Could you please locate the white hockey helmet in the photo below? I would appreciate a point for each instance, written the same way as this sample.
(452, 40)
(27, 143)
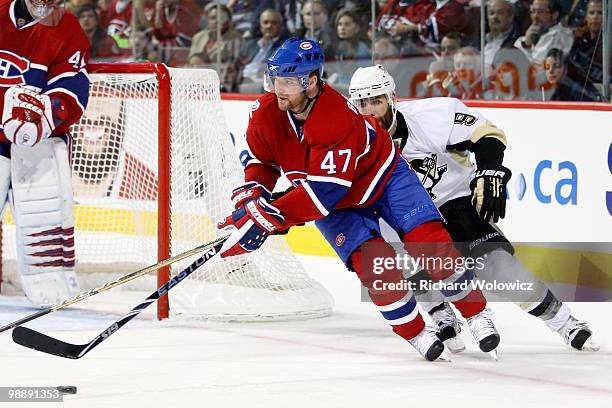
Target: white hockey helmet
(373, 81)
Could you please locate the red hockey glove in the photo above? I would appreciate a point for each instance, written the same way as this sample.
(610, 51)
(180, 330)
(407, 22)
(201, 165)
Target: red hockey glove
(489, 192)
(251, 225)
(27, 117)
(250, 190)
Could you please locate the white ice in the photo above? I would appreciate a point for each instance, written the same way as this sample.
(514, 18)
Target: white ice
(350, 359)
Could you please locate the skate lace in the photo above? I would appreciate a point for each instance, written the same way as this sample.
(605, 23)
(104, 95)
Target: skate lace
(571, 328)
(446, 317)
(481, 325)
(424, 340)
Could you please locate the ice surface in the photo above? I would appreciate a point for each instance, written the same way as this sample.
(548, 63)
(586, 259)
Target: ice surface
(350, 359)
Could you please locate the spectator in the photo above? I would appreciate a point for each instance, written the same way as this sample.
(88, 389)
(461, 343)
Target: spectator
(504, 63)
(254, 52)
(586, 57)
(443, 66)
(102, 45)
(206, 47)
(565, 88)
(315, 18)
(245, 13)
(172, 22)
(465, 82)
(403, 20)
(290, 9)
(348, 52)
(349, 39)
(448, 16)
(119, 17)
(545, 32)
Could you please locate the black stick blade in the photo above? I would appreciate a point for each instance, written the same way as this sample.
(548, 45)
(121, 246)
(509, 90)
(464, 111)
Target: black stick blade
(41, 342)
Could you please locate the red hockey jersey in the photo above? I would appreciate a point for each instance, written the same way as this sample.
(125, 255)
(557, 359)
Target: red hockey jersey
(336, 158)
(52, 59)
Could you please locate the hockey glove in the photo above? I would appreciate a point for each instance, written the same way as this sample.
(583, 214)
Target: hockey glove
(489, 192)
(250, 226)
(27, 117)
(250, 190)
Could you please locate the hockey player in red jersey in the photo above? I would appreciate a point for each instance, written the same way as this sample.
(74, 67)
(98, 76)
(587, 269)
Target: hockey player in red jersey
(347, 173)
(437, 135)
(43, 90)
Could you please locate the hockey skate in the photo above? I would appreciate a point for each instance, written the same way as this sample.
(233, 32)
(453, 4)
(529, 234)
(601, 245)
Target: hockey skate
(578, 335)
(484, 332)
(428, 344)
(449, 327)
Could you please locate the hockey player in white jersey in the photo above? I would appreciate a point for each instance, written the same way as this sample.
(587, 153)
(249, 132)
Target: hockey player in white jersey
(436, 136)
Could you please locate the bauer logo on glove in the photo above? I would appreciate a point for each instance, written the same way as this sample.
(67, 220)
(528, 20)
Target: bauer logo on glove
(251, 225)
(489, 192)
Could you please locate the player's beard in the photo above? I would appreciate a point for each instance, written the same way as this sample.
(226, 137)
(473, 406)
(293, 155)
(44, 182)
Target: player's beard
(387, 120)
(294, 103)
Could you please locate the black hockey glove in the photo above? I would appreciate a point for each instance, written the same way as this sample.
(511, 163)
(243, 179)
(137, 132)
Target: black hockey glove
(489, 192)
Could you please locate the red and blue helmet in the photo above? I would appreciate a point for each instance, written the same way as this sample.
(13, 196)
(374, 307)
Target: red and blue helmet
(295, 58)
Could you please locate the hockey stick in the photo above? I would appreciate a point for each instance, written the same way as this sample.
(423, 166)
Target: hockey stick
(46, 344)
(119, 281)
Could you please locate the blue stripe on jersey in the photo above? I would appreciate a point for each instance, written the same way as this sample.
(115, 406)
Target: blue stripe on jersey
(78, 85)
(401, 311)
(468, 276)
(35, 77)
(329, 194)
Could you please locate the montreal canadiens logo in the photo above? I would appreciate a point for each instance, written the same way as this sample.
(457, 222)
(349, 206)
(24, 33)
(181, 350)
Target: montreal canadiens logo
(12, 68)
(340, 239)
(305, 45)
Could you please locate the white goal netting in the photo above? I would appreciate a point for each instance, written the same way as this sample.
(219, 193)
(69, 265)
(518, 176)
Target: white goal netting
(116, 179)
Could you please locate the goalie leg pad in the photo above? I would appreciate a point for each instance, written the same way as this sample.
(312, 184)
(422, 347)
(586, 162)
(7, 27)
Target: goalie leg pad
(42, 205)
(5, 180)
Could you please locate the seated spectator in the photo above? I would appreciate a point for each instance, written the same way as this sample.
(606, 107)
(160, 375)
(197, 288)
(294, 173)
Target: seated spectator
(119, 20)
(172, 22)
(254, 52)
(545, 32)
(102, 45)
(444, 65)
(349, 41)
(315, 18)
(505, 64)
(348, 51)
(448, 16)
(206, 47)
(565, 88)
(585, 60)
(465, 82)
(245, 13)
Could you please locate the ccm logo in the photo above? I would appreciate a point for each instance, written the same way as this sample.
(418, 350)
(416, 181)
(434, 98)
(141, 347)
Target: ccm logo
(12, 67)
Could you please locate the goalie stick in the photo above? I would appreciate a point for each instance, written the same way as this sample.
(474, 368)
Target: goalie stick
(46, 344)
(119, 281)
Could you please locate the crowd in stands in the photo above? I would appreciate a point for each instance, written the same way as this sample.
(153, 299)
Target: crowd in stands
(533, 49)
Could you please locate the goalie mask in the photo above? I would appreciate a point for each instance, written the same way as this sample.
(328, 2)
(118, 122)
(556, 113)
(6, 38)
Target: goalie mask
(365, 89)
(46, 12)
(289, 67)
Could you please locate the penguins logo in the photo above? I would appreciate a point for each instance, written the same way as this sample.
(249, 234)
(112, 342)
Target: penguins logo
(431, 172)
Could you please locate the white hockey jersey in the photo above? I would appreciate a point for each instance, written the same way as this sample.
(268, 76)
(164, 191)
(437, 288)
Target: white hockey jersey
(439, 129)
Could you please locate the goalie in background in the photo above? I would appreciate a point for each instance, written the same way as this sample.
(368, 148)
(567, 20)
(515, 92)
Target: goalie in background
(437, 135)
(44, 89)
(347, 174)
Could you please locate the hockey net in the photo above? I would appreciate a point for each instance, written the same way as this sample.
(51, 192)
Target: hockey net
(153, 167)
